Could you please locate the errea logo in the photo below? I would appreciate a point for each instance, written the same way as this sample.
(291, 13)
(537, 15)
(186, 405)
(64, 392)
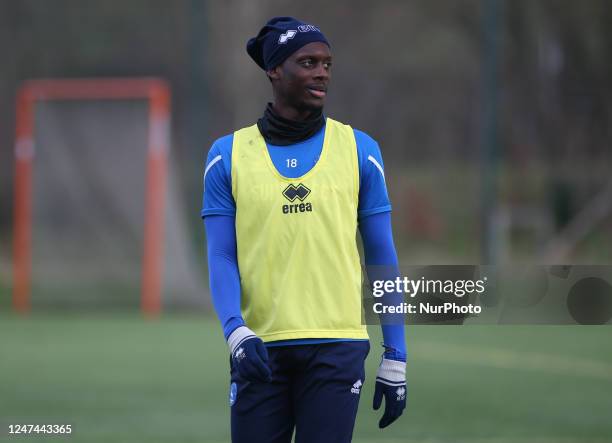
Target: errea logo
(240, 354)
(292, 192)
(356, 389)
(299, 192)
(282, 39)
(401, 393)
(308, 28)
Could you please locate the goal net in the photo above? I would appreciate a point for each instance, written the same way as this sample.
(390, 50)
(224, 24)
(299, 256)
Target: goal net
(99, 220)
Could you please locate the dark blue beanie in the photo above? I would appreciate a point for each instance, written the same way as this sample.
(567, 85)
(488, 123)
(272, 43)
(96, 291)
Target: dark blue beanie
(280, 38)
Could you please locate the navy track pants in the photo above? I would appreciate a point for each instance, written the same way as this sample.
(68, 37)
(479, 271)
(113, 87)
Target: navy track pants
(315, 391)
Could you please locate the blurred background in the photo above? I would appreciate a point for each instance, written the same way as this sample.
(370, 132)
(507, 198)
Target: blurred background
(495, 122)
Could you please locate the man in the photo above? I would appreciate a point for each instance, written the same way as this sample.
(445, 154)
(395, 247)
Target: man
(282, 202)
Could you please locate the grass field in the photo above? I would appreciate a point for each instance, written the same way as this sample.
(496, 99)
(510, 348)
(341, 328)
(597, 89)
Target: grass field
(118, 378)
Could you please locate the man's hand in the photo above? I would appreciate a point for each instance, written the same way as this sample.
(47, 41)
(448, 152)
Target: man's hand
(249, 355)
(390, 383)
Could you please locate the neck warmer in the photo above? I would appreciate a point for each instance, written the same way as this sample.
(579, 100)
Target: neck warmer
(280, 131)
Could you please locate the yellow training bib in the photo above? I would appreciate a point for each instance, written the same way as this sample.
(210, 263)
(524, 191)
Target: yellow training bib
(299, 266)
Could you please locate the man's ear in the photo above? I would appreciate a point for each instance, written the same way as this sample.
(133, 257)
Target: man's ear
(274, 73)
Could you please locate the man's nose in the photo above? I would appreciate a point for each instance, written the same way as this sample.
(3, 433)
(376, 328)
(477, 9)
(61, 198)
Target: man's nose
(321, 72)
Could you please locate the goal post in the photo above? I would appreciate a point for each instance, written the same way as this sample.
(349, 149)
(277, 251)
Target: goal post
(156, 93)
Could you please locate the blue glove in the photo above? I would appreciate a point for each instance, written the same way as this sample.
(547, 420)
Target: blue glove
(390, 383)
(249, 355)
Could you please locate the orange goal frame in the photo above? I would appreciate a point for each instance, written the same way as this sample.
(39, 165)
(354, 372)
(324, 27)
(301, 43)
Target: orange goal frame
(157, 93)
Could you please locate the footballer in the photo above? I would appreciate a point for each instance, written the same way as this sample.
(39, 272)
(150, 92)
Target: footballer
(283, 200)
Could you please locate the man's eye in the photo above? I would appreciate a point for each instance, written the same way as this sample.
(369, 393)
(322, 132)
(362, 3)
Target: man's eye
(307, 63)
(327, 65)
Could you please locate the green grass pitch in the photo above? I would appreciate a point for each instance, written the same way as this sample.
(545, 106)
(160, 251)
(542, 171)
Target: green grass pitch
(119, 378)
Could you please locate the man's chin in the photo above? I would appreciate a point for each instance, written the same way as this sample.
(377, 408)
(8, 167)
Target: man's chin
(314, 104)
